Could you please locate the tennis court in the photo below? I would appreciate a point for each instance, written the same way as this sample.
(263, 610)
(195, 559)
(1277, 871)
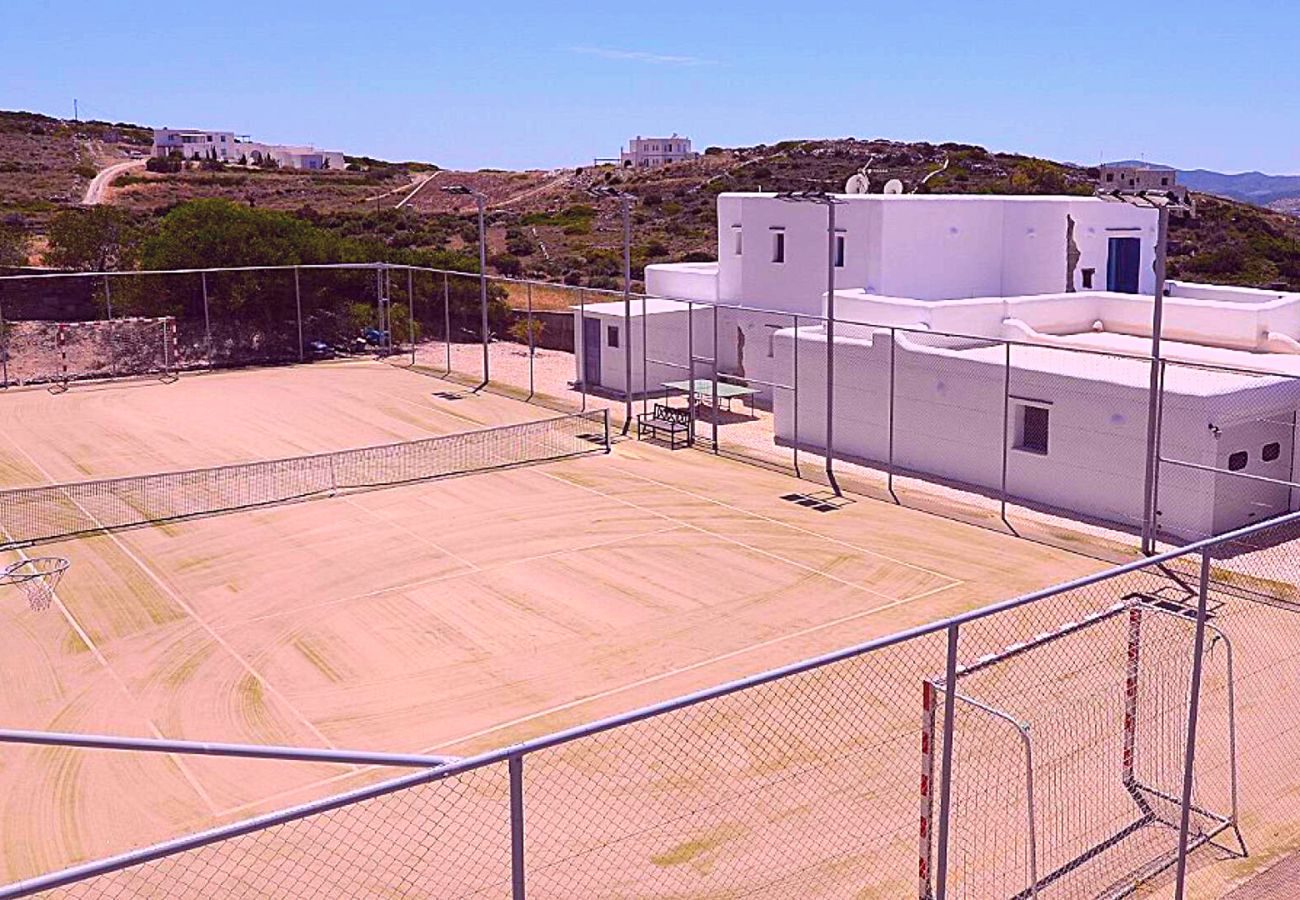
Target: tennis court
(443, 616)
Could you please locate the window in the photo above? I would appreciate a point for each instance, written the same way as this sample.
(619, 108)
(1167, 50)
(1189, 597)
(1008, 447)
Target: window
(1271, 452)
(611, 335)
(1110, 176)
(1031, 428)
(839, 251)
(778, 246)
(1088, 275)
(736, 243)
(1238, 460)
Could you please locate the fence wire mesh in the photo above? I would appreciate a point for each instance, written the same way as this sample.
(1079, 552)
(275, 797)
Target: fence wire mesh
(59, 510)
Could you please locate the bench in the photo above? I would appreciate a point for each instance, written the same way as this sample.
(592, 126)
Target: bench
(667, 420)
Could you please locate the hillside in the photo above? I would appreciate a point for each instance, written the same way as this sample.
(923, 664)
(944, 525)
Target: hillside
(547, 224)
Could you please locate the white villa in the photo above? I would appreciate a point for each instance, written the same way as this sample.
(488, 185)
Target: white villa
(927, 288)
(648, 152)
(226, 146)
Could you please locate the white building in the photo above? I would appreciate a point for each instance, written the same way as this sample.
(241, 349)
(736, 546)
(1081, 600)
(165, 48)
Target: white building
(1053, 274)
(649, 152)
(227, 147)
(1140, 178)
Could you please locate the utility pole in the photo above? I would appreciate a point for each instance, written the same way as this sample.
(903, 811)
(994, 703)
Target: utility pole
(480, 200)
(75, 114)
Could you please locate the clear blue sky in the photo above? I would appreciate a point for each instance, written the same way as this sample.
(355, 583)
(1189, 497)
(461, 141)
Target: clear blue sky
(537, 84)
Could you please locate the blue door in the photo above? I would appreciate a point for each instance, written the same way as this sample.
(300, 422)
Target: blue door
(1122, 265)
(591, 352)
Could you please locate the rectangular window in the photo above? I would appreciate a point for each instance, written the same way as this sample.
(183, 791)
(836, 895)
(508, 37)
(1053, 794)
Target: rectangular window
(737, 244)
(1031, 428)
(1088, 275)
(778, 246)
(611, 335)
(839, 251)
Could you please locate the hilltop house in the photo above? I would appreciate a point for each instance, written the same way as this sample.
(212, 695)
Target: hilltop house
(928, 287)
(650, 152)
(227, 147)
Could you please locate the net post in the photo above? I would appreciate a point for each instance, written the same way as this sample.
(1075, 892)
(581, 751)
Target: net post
(61, 337)
(945, 774)
(517, 870)
(297, 299)
(1193, 710)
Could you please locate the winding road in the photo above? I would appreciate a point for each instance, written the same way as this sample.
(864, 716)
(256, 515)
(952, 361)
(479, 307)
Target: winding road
(97, 190)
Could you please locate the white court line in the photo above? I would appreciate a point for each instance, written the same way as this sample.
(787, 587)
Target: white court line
(452, 576)
(117, 679)
(792, 527)
(441, 410)
(180, 601)
(612, 692)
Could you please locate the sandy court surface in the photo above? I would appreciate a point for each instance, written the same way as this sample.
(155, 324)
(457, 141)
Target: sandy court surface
(451, 616)
(137, 427)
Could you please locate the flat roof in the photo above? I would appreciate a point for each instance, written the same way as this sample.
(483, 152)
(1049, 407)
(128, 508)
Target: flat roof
(931, 198)
(654, 306)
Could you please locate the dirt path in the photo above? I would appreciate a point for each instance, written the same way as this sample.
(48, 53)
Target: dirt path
(98, 191)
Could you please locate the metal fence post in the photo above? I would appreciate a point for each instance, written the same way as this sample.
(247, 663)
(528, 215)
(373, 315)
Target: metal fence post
(410, 314)
(4, 347)
(1006, 428)
(690, 372)
(207, 320)
(645, 353)
(446, 318)
(1193, 709)
(945, 771)
(889, 463)
(297, 299)
(794, 382)
(714, 401)
(581, 340)
(1155, 463)
(830, 348)
(532, 343)
(112, 331)
(517, 870)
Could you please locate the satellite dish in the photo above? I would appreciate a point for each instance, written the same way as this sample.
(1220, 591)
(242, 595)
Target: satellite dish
(858, 183)
(894, 186)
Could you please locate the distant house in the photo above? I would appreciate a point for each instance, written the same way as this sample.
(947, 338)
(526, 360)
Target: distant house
(227, 147)
(651, 152)
(1140, 178)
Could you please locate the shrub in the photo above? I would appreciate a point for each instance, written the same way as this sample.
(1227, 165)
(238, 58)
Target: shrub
(506, 264)
(519, 331)
(85, 171)
(163, 164)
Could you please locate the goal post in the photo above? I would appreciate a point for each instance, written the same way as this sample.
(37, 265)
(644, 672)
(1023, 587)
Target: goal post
(1067, 756)
(111, 348)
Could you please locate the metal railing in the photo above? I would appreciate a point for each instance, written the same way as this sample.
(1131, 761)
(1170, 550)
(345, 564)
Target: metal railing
(1069, 741)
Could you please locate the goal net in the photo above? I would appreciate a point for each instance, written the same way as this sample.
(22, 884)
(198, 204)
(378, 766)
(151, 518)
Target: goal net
(39, 352)
(1068, 752)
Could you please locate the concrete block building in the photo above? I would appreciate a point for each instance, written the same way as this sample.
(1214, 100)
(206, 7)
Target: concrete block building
(650, 152)
(929, 291)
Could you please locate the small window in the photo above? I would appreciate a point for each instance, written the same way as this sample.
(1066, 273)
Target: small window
(611, 335)
(1164, 181)
(839, 251)
(1088, 275)
(1271, 452)
(1238, 460)
(737, 244)
(1032, 425)
(1110, 176)
(778, 246)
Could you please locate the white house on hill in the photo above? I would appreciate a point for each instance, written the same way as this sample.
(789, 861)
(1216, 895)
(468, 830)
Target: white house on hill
(956, 276)
(225, 146)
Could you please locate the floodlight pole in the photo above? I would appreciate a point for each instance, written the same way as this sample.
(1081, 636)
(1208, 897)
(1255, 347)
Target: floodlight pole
(625, 200)
(481, 200)
(1153, 391)
(830, 343)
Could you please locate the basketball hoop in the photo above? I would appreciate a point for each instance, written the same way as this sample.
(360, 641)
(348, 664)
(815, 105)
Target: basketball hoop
(38, 578)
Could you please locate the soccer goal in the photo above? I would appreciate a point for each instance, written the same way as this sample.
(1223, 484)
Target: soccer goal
(1068, 752)
(112, 348)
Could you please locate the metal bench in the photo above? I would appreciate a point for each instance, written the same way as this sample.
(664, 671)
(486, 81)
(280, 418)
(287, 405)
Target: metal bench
(667, 420)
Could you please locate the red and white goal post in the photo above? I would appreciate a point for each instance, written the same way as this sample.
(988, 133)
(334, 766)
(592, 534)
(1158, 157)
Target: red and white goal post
(116, 348)
(1067, 757)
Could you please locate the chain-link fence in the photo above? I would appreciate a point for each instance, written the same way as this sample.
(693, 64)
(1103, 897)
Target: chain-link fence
(1130, 730)
(1053, 439)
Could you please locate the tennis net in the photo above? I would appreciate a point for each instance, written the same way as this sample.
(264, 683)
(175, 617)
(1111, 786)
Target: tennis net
(54, 511)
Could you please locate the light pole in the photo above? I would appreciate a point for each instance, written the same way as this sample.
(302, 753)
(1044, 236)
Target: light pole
(481, 200)
(625, 201)
(830, 201)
